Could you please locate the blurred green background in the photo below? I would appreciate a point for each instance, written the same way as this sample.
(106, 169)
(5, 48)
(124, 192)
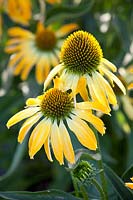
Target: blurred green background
(111, 22)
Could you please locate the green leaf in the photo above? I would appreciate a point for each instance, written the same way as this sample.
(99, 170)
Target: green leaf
(128, 174)
(43, 195)
(16, 160)
(68, 12)
(122, 191)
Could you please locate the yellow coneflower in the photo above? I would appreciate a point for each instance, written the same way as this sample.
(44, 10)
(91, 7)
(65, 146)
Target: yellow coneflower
(19, 11)
(40, 49)
(82, 61)
(129, 185)
(55, 112)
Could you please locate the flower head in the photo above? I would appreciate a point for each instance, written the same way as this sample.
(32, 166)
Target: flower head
(82, 62)
(129, 185)
(19, 11)
(84, 172)
(54, 113)
(40, 49)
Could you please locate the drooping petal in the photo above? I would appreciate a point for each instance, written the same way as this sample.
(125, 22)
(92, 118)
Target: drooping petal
(56, 143)
(109, 65)
(98, 91)
(109, 92)
(39, 136)
(29, 65)
(67, 145)
(92, 105)
(28, 112)
(42, 69)
(51, 75)
(27, 126)
(81, 88)
(47, 149)
(66, 29)
(97, 123)
(116, 80)
(82, 131)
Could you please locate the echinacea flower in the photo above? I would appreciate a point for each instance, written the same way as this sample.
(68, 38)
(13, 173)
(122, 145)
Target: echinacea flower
(40, 49)
(53, 113)
(129, 185)
(19, 11)
(82, 60)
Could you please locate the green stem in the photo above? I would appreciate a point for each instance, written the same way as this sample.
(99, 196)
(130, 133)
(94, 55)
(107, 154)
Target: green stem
(102, 175)
(99, 188)
(75, 185)
(84, 193)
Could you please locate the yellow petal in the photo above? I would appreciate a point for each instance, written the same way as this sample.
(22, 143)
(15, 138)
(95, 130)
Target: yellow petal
(1, 23)
(39, 136)
(84, 134)
(67, 145)
(29, 66)
(66, 29)
(129, 185)
(51, 75)
(33, 102)
(47, 149)
(42, 69)
(98, 91)
(56, 143)
(27, 126)
(14, 59)
(109, 65)
(19, 11)
(131, 179)
(97, 123)
(13, 49)
(116, 80)
(19, 32)
(14, 41)
(81, 88)
(92, 105)
(20, 66)
(130, 86)
(28, 112)
(53, 59)
(108, 90)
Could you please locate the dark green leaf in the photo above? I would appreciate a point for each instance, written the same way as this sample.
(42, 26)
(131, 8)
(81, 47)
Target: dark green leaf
(68, 12)
(43, 195)
(122, 191)
(16, 160)
(128, 174)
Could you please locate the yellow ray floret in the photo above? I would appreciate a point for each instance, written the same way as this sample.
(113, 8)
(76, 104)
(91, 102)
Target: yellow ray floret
(84, 70)
(40, 49)
(49, 113)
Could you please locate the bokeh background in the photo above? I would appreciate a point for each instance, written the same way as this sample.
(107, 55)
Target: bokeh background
(111, 22)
